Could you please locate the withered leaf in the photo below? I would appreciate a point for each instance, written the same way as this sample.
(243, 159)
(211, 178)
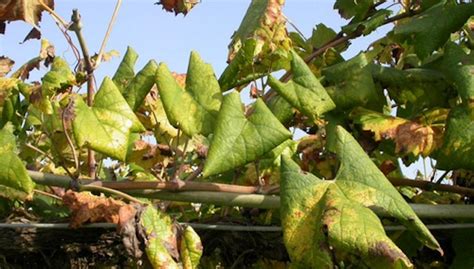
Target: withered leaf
(87, 207)
(178, 6)
(5, 65)
(24, 10)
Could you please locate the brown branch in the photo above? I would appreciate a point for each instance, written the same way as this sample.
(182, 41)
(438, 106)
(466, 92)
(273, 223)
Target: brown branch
(427, 185)
(76, 26)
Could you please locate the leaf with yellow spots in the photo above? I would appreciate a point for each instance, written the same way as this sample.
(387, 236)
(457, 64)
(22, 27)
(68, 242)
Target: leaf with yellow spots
(335, 215)
(260, 45)
(409, 136)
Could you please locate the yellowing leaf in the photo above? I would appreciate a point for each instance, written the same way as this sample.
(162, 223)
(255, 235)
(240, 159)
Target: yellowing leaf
(409, 136)
(5, 65)
(259, 46)
(107, 125)
(190, 248)
(178, 6)
(334, 217)
(25, 10)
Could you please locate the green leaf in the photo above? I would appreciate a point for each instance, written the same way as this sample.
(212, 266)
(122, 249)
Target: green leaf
(107, 125)
(429, 30)
(259, 46)
(190, 248)
(125, 72)
(15, 183)
(369, 25)
(357, 9)
(457, 66)
(195, 108)
(141, 85)
(58, 78)
(161, 238)
(457, 150)
(282, 110)
(351, 84)
(238, 140)
(335, 216)
(304, 91)
(414, 89)
(321, 35)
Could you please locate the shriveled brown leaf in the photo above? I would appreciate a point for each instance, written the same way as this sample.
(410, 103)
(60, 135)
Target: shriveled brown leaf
(87, 207)
(178, 6)
(24, 10)
(46, 55)
(5, 65)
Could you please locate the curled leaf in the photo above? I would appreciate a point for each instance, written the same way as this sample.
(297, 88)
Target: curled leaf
(178, 6)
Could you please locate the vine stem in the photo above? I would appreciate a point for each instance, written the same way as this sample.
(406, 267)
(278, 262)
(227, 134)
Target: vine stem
(248, 199)
(76, 26)
(107, 34)
(216, 227)
(93, 187)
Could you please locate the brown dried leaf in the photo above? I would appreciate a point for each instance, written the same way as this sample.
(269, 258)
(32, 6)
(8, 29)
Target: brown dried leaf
(5, 65)
(178, 6)
(145, 154)
(24, 10)
(87, 207)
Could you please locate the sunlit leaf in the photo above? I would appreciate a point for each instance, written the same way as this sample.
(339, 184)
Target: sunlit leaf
(193, 109)
(190, 248)
(140, 85)
(106, 126)
(15, 183)
(161, 238)
(335, 217)
(432, 28)
(58, 78)
(304, 91)
(260, 45)
(125, 72)
(238, 139)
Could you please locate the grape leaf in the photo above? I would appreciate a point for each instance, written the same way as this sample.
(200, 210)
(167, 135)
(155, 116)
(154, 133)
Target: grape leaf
(5, 65)
(304, 91)
(351, 84)
(161, 244)
(335, 216)
(238, 140)
(409, 136)
(15, 183)
(354, 9)
(190, 248)
(457, 150)
(414, 89)
(195, 108)
(106, 126)
(431, 29)
(125, 72)
(58, 78)
(24, 10)
(178, 6)
(260, 45)
(140, 85)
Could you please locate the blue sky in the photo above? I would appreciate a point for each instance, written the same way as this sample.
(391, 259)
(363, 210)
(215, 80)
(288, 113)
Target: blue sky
(159, 35)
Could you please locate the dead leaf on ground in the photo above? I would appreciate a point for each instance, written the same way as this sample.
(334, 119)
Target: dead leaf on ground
(89, 208)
